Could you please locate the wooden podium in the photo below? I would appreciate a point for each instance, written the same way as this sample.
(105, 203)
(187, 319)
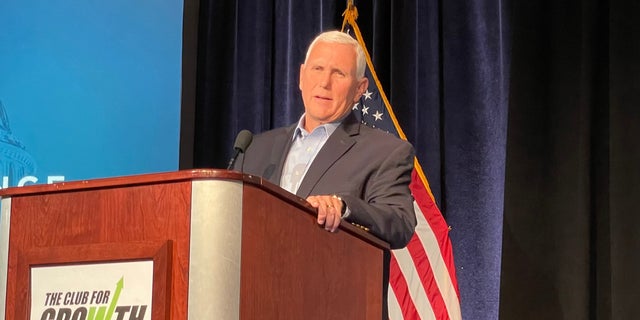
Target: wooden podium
(224, 246)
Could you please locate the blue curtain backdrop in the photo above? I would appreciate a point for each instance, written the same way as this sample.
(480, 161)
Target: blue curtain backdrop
(521, 114)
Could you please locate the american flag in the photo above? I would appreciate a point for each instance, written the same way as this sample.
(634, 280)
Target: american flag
(422, 279)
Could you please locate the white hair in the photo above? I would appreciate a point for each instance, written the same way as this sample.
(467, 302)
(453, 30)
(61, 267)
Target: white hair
(342, 38)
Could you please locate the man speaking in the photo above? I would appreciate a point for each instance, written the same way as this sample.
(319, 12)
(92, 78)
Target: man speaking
(343, 168)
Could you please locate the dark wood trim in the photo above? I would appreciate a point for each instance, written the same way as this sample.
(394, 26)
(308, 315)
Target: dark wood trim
(122, 181)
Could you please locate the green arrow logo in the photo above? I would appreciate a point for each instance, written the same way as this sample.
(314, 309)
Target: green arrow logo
(114, 302)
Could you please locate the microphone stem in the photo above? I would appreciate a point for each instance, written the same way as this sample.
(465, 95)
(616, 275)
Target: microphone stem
(233, 159)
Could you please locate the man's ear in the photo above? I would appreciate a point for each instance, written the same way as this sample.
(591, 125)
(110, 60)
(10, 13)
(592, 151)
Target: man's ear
(363, 84)
(300, 76)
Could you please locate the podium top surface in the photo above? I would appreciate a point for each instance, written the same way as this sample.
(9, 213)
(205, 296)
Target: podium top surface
(141, 179)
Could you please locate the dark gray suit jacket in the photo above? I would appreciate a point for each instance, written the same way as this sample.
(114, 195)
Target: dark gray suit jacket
(368, 168)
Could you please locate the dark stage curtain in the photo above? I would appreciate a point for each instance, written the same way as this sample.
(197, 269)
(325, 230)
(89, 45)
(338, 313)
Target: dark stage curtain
(522, 108)
(572, 183)
(444, 68)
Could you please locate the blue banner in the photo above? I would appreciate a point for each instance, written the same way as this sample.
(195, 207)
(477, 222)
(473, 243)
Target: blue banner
(88, 89)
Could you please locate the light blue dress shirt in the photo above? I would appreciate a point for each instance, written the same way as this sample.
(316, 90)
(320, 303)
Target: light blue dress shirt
(304, 149)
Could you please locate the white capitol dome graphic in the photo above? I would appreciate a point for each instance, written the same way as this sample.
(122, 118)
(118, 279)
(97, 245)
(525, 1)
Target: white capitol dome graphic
(15, 161)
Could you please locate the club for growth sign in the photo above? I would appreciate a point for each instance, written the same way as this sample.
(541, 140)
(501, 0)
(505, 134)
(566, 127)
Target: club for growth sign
(105, 291)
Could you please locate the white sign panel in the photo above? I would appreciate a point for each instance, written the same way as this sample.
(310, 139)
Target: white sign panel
(105, 291)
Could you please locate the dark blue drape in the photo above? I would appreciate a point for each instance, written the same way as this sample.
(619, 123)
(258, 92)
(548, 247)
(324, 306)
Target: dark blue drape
(445, 69)
(526, 110)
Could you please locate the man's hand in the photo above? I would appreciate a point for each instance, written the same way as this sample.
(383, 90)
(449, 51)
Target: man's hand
(329, 210)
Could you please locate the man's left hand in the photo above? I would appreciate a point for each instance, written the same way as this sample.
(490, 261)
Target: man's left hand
(329, 210)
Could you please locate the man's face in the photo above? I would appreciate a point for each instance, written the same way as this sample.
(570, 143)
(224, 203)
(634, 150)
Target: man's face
(328, 83)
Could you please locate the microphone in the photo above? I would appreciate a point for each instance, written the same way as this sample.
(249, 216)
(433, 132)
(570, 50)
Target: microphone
(243, 140)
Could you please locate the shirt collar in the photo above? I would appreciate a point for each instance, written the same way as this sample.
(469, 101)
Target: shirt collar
(328, 128)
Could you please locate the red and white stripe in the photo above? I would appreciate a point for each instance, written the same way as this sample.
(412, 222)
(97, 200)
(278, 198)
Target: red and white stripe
(422, 281)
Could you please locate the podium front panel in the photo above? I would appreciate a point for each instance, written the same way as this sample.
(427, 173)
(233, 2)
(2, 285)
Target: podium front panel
(123, 214)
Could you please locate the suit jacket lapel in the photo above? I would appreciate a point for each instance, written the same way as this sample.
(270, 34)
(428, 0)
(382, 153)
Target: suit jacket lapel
(281, 147)
(335, 148)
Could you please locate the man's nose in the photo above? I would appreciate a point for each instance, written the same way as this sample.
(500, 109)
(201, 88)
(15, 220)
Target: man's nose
(325, 80)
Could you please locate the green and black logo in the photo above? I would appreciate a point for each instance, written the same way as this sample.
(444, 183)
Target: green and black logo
(90, 305)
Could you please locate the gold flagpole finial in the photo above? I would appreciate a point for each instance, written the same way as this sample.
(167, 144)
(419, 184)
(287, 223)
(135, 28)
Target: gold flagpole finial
(350, 14)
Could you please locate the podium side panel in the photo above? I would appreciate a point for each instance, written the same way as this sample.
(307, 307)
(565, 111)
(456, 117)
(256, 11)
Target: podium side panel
(294, 269)
(5, 217)
(214, 264)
